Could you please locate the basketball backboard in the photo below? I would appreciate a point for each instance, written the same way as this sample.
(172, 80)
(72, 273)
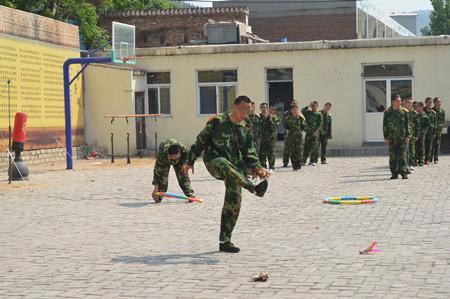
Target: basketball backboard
(123, 43)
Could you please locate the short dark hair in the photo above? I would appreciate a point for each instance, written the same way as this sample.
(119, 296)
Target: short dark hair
(420, 104)
(173, 150)
(328, 104)
(428, 99)
(436, 99)
(242, 99)
(395, 96)
(263, 104)
(415, 103)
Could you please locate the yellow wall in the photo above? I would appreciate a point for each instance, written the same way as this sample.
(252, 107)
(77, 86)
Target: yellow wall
(108, 90)
(36, 73)
(324, 75)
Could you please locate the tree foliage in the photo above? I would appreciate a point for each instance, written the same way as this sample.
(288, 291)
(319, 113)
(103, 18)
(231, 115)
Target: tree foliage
(84, 12)
(439, 19)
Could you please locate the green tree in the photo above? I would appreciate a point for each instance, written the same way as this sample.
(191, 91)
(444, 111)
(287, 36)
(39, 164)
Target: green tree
(439, 19)
(84, 12)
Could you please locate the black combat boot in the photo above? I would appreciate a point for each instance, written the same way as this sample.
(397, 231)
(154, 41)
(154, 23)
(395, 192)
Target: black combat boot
(228, 247)
(261, 188)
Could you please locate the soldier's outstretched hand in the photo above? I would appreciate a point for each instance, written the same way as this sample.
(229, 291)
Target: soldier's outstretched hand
(156, 198)
(262, 173)
(185, 169)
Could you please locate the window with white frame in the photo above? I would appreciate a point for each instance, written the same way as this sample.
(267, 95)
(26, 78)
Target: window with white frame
(383, 81)
(158, 84)
(216, 91)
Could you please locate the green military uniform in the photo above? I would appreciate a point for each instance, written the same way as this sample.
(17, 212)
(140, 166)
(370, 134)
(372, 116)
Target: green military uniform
(396, 129)
(414, 123)
(162, 167)
(440, 123)
(255, 122)
(268, 128)
(229, 152)
(295, 125)
(286, 148)
(429, 138)
(423, 126)
(313, 128)
(325, 134)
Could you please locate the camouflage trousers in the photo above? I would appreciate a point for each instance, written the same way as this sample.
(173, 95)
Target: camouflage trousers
(311, 148)
(234, 179)
(183, 180)
(429, 146)
(420, 149)
(295, 150)
(437, 146)
(323, 148)
(397, 157)
(267, 153)
(412, 152)
(286, 150)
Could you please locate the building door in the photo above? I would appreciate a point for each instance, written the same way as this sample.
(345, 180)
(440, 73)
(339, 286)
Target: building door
(280, 92)
(378, 94)
(382, 82)
(139, 102)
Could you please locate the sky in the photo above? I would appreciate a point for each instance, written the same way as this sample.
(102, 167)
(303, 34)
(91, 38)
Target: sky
(388, 5)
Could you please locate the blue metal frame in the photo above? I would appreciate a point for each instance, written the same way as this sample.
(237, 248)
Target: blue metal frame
(85, 61)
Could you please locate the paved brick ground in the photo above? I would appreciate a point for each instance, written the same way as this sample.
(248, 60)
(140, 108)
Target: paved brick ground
(94, 233)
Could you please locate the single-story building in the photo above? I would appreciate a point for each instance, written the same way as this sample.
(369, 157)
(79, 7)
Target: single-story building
(187, 85)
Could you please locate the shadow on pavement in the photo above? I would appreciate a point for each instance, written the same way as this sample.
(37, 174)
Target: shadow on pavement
(365, 181)
(135, 204)
(170, 259)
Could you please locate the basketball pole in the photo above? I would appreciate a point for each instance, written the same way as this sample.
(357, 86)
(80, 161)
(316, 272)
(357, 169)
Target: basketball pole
(85, 61)
(9, 130)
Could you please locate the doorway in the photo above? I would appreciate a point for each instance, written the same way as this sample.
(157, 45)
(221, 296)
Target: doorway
(141, 141)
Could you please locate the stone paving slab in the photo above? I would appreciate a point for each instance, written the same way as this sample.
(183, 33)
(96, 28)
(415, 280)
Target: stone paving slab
(95, 233)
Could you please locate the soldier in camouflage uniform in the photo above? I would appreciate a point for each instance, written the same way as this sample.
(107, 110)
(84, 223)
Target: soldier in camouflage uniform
(254, 121)
(286, 149)
(396, 132)
(313, 128)
(269, 125)
(229, 153)
(423, 125)
(171, 153)
(414, 122)
(431, 134)
(294, 125)
(325, 133)
(440, 123)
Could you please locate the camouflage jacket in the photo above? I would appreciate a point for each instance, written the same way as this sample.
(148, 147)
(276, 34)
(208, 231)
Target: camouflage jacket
(440, 119)
(396, 124)
(414, 123)
(221, 138)
(255, 122)
(423, 124)
(432, 116)
(269, 127)
(313, 120)
(286, 116)
(295, 125)
(326, 124)
(162, 161)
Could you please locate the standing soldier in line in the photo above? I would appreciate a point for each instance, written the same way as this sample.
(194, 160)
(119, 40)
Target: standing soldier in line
(229, 153)
(325, 133)
(171, 153)
(286, 149)
(407, 105)
(313, 127)
(422, 129)
(254, 121)
(295, 124)
(431, 134)
(269, 125)
(396, 132)
(440, 123)
(414, 122)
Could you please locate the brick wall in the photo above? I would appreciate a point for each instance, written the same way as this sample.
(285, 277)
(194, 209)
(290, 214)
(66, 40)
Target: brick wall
(172, 27)
(305, 27)
(27, 25)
